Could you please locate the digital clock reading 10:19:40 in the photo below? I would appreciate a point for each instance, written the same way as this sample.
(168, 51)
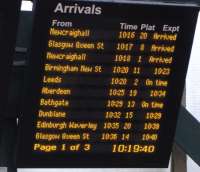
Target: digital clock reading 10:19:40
(122, 148)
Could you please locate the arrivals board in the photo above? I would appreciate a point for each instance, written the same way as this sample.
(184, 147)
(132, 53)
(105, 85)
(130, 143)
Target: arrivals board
(9, 11)
(104, 84)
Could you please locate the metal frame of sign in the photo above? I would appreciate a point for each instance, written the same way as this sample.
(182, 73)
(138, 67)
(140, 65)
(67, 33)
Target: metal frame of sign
(182, 15)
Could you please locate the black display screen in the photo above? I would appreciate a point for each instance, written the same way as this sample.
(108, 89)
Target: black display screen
(9, 11)
(104, 84)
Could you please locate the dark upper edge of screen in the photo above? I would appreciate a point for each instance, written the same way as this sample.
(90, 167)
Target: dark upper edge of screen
(139, 2)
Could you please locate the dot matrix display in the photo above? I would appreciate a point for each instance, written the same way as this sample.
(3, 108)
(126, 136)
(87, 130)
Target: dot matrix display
(104, 84)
